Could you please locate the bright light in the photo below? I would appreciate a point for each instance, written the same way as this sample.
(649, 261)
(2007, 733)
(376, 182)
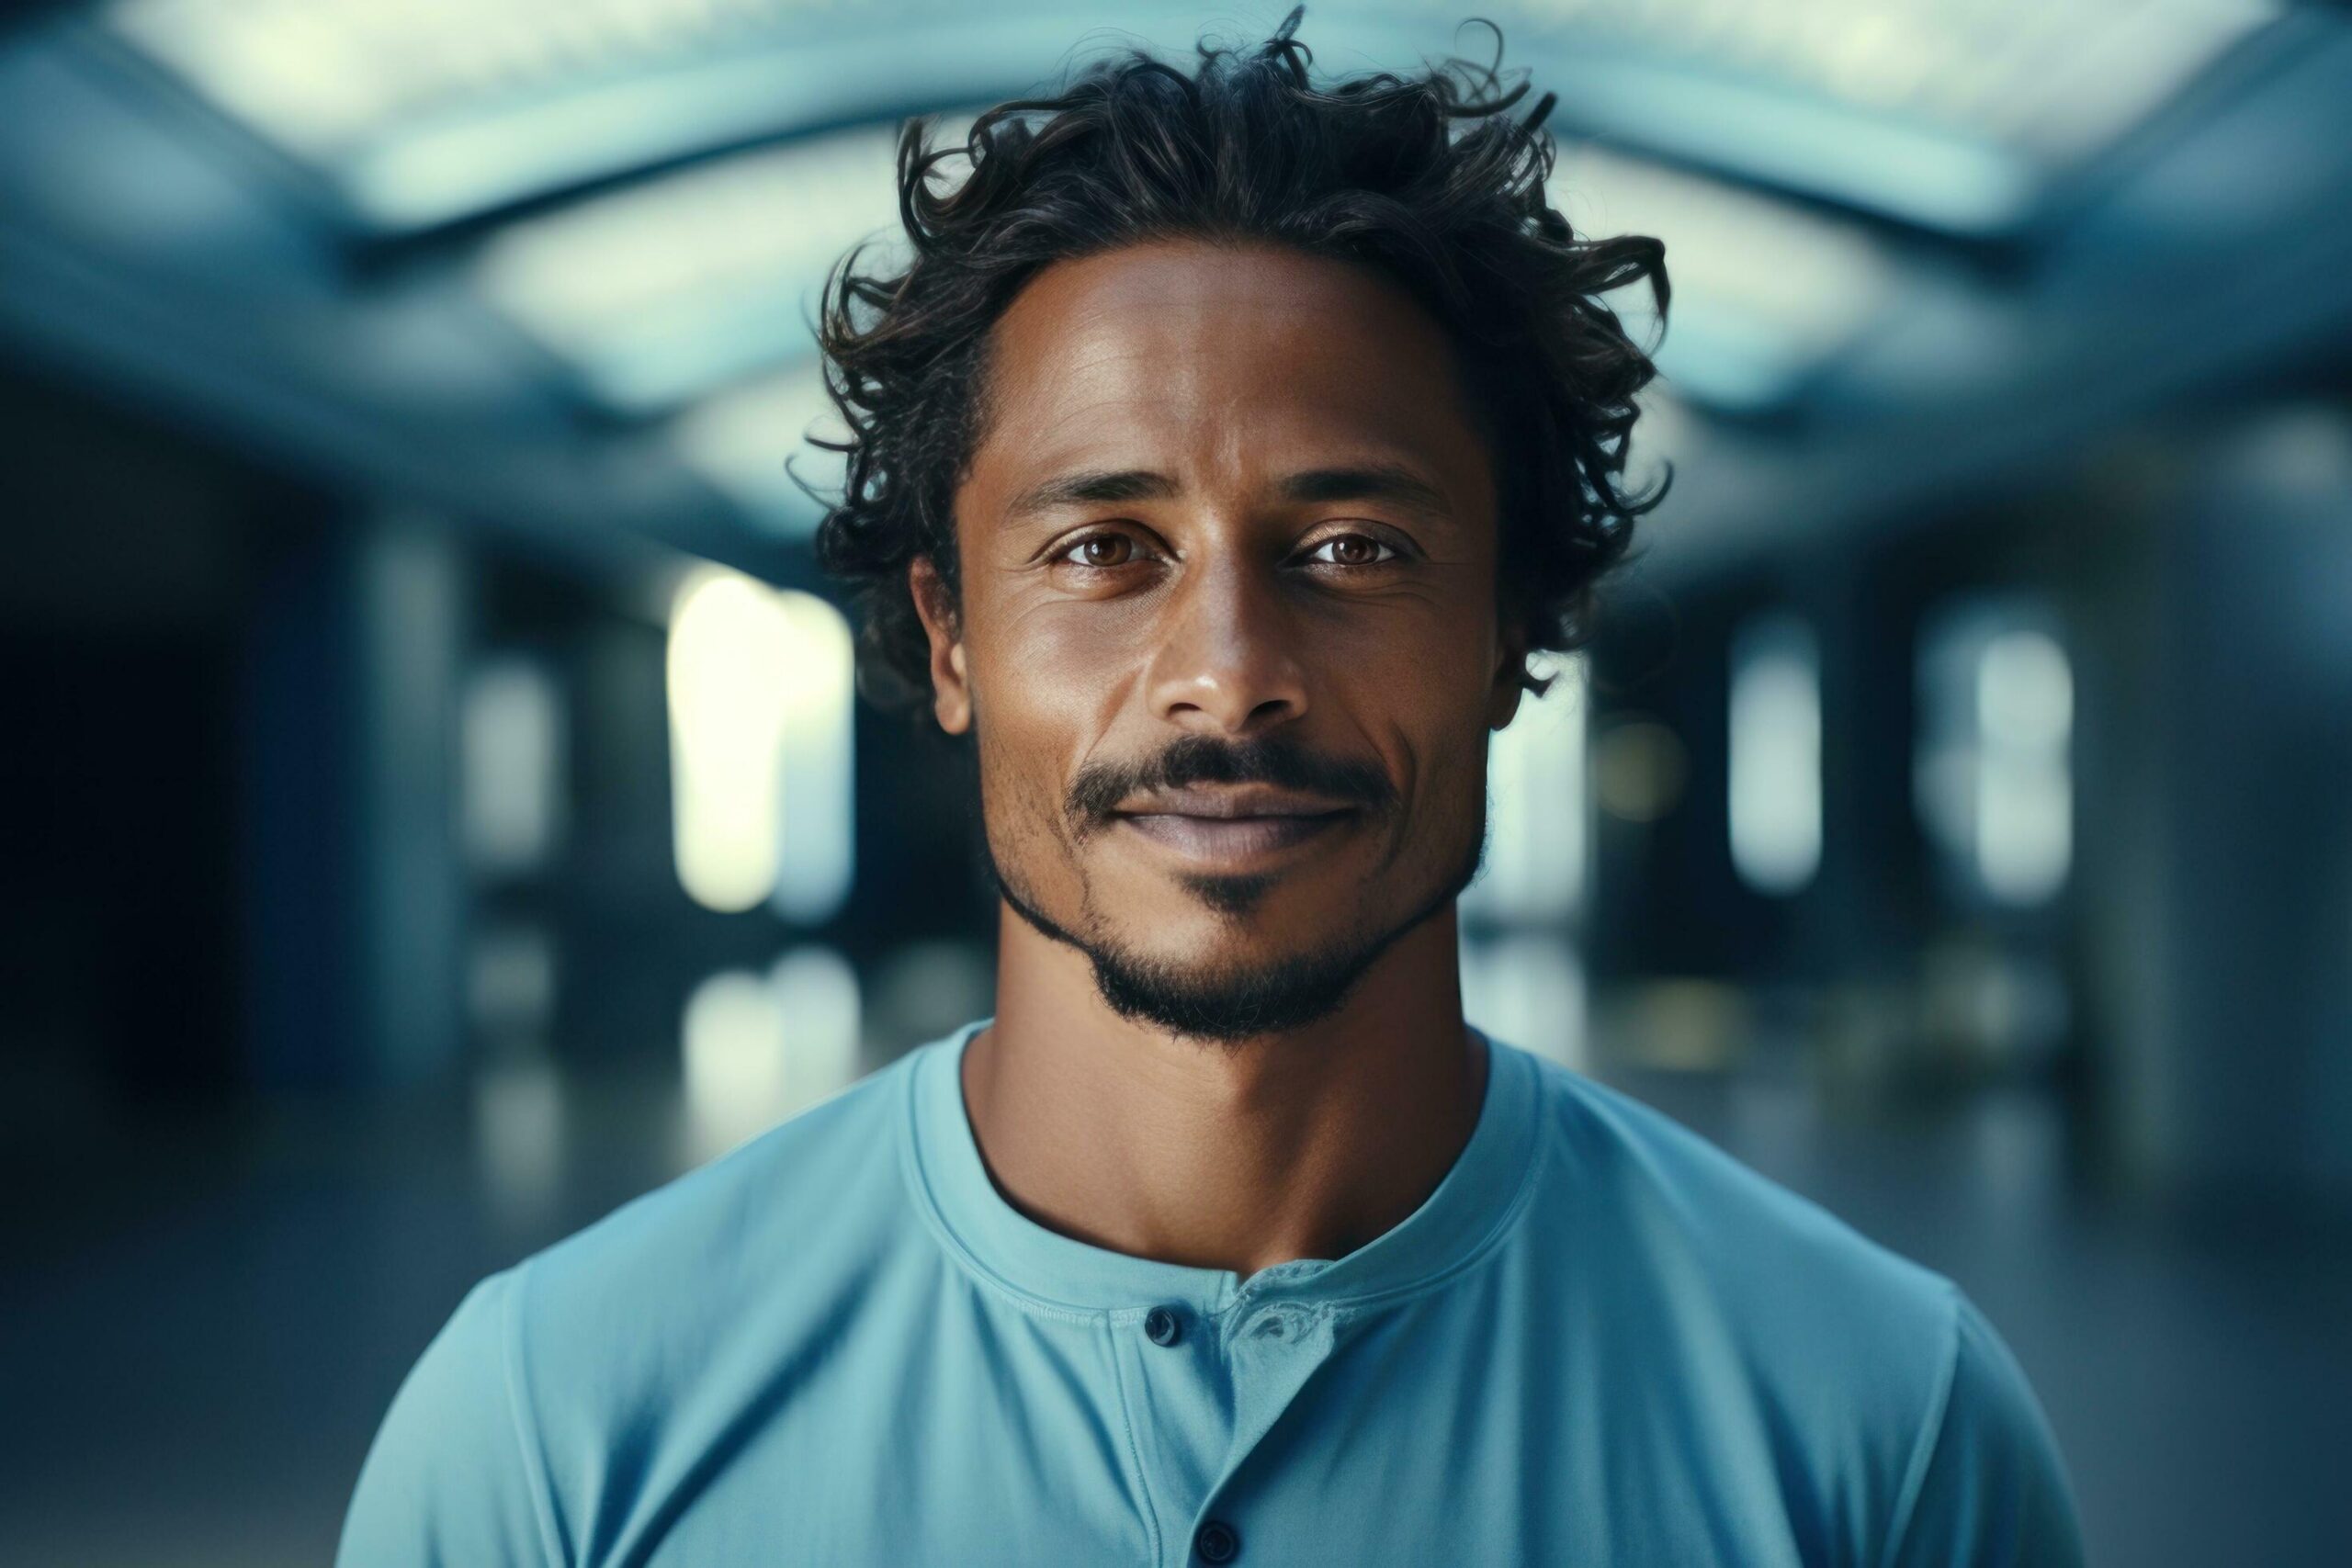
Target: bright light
(1993, 775)
(759, 1049)
(428, 110)
(818, 837)
(512, 762)
(2025, 715)
(817, 991)
(1775, 800)
(324, 75)
(2054, 78)
(729, 649)
(760, 690)
(673, 285)
(425, 111)
(1535, 784)
(2054, 75)
(734, 1043)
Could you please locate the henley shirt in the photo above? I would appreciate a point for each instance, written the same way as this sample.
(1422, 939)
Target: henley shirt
(1599, 1341)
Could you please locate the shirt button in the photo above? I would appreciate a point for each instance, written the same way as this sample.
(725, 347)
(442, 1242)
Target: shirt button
(1164, 1328)
(1217, 1543)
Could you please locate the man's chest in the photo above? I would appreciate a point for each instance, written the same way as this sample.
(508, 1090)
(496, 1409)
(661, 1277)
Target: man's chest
(1286, 1435)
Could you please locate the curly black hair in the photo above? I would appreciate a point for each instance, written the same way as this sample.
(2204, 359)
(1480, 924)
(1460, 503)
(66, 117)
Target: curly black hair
(1429, 179)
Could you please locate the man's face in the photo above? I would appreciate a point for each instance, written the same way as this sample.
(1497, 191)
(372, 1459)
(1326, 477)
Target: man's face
(1230, 534)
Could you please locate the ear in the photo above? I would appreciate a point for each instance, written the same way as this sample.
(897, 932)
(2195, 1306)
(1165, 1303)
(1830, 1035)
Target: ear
(951, 693)
(1504, 691)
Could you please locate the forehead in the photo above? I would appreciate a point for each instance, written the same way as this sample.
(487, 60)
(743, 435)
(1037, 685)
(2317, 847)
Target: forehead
(1226, 361)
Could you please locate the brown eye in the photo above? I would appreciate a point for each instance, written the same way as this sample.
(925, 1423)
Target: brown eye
(1355, 549)
(1101, 550)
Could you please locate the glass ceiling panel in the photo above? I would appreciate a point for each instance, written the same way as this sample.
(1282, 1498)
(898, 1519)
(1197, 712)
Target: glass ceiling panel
(739, 441)
(421, 111)
(2051, 79)
(1763, 291)
(322, 76)
(665, 291)
(665, 288)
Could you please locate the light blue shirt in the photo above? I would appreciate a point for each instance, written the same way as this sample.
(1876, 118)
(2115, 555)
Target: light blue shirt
(1599, 1341)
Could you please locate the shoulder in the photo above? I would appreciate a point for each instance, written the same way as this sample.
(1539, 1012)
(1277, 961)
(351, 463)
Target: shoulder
(1668, 1196)
(797, 1199)
(1863, 1365)
(452, 1475)
(1986, 1483)
(544, 1367)
(768, 1238)
(1775, 1316)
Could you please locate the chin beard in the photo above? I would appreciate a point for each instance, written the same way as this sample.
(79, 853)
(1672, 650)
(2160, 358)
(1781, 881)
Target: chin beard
(1229, 1007)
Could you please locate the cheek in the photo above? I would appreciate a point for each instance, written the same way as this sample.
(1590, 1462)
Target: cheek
(1427, 673)
(1058, 671)
(1044, 685)
(1021, 810)
(1424, 703)
(1428, 725)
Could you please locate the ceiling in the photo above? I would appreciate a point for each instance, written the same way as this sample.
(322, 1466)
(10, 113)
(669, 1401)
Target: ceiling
(548, 266)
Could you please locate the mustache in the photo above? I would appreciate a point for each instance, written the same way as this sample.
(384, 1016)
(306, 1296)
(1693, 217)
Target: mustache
(1202, 759)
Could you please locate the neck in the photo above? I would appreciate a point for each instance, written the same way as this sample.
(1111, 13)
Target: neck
(1302, 1145)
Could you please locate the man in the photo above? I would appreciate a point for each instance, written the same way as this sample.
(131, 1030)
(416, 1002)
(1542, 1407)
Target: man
(1218, 463)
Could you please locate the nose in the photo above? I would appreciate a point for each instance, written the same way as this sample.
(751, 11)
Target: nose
(1224, 662)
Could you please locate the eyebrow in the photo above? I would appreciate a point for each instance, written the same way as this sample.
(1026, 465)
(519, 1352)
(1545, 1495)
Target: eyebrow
(1091, 487)
(1366, 481)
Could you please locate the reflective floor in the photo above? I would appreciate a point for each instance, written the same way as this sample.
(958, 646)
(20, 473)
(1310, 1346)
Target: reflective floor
(201, 1318)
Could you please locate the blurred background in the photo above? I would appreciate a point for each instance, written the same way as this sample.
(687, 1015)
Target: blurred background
(436, 809)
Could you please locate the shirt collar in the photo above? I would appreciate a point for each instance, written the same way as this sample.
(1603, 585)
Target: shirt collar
(1458, 1223)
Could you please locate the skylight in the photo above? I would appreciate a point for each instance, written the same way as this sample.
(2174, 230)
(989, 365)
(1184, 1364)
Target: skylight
(667, 289)
(1763, 291)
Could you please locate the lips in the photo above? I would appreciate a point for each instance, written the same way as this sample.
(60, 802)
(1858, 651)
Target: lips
(1234, 835)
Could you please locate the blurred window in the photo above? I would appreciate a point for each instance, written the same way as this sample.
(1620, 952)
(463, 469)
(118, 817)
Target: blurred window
(757, 1048)
(1775, 746)
(513, 763)
(1535, 785)
(1521, 979)
(1765, 291)
(679, 283)
(1992, 773)
(761, 683)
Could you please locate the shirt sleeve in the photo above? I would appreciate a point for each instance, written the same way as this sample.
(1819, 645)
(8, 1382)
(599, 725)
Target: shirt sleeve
(1989, 1489)
(448, 1483)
